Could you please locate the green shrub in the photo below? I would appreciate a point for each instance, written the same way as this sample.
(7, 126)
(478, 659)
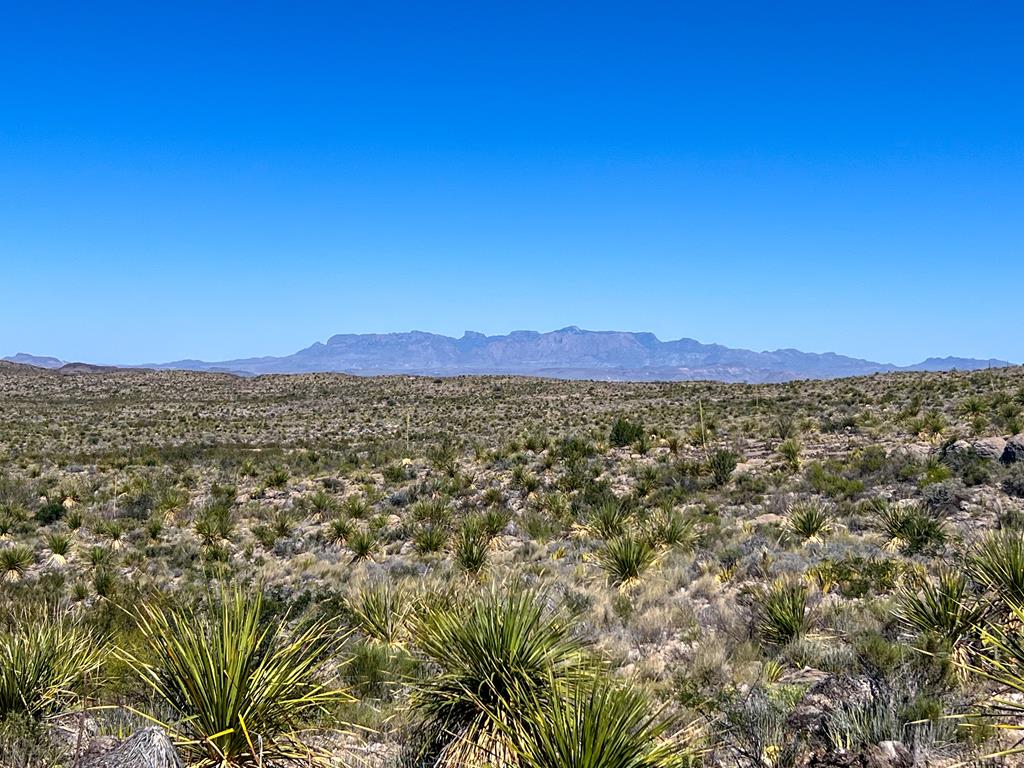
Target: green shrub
(625, 432)
(911, 530)
(997, 563)
(722, 463)
(602, 725)
(944, 607)
(809, 521)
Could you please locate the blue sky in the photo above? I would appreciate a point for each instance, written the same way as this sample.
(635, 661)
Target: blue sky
(222, 180)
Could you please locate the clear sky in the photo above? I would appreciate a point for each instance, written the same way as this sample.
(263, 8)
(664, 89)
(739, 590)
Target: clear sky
(223, 180)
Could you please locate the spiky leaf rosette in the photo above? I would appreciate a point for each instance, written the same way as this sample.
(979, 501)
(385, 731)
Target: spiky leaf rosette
(233, 680)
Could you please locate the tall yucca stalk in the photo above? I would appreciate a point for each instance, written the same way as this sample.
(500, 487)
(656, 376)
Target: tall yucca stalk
(44, 658)
(495, 659)
(602, 724)
(241, 689)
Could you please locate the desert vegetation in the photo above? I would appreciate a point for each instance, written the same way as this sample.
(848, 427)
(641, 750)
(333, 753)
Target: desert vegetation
(486, 571)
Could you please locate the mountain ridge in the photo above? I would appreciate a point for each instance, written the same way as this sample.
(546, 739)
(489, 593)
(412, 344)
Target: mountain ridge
(566, 353)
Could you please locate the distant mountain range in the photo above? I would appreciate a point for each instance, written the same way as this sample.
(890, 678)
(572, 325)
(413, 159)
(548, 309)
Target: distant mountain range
(568, 353)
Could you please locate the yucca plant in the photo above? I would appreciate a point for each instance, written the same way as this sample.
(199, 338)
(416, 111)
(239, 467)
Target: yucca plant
(215, 524)
(1002, 662)
(782, 611)
(44, 660)
(429, 538)
(608, 520)
(338, 530)
(363, 544)
(382, 613)
(99, 556)
(494, 520)
(355, 507)
(911, 530)
(809, 521)
(241, 688)
(944, 607)
(626, 558)
(602, 724)
(322, 503)
(997, 563)
(59, 545)
(472, 548)
(113, 531)
(669, 528)
(495, 660)
(15, 560)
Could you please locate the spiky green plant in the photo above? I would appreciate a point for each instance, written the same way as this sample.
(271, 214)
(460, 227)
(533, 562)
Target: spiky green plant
(215, 524)
(44, 659)
(997, 563)
(322, 503)
(472, 548)
(234, 680)
(669, 528)
(603, 724)
(495, 660)
(430, 537)
(722, 463)
(355, 507)
(911, 530)
(626, 558)
(944, 607)
(495, 519)
(338, 530)
(782, 612)
(15, 560)
(363, 544)
(608, 520)
(59, 545)
(809, 521)
(1002, 662)
(382, 612)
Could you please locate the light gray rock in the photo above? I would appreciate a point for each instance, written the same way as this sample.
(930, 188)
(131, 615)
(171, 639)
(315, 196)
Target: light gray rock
(990, 448)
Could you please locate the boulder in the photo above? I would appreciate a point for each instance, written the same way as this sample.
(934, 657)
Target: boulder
(990, 448)
(823, 698)
(1014, 450)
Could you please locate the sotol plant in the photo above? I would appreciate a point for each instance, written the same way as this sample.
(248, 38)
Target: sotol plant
(497, 660)
(602, 724)
(44, 658)
(233, 680)
(626, 558)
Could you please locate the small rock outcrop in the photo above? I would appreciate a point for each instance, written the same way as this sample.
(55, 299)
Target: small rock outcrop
(990, 448)
(1014, 450)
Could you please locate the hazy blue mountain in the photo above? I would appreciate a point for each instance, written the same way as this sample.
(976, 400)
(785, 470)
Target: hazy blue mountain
(39, 362)
(568, 353)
